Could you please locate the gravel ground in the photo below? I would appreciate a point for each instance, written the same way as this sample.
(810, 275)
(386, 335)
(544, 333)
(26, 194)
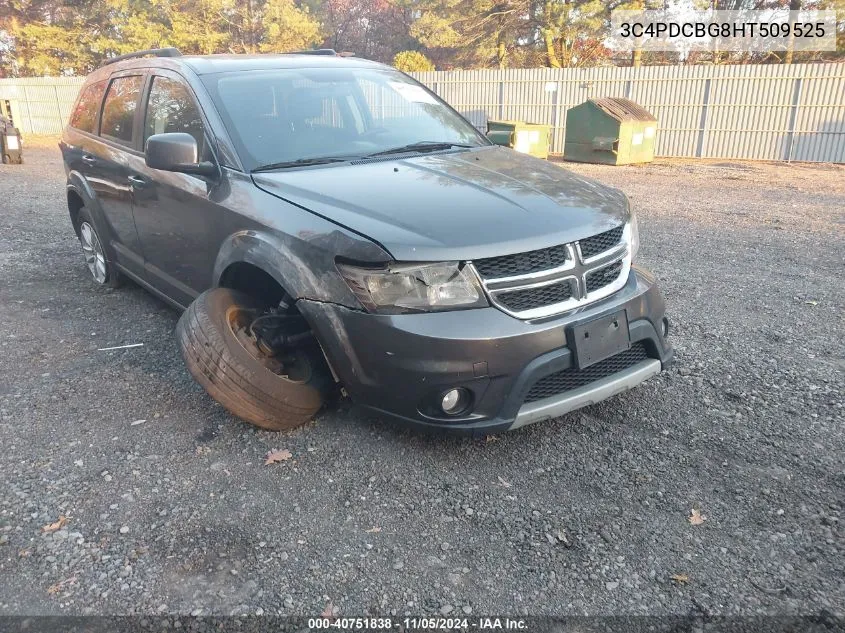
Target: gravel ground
(169, 507)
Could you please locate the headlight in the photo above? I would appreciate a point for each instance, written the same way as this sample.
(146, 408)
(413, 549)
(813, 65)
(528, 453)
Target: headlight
(635, 235)
(402, 288)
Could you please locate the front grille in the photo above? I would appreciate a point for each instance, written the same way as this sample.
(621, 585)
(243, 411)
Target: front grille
(530, 298)
(506, 276)
(598, 279)
(601, 242)
(522, 263)
(572, 378)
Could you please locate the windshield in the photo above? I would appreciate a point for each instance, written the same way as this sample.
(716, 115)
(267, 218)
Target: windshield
(288, 115)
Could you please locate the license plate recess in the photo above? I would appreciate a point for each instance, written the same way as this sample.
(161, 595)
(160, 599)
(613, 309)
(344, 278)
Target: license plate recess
(594, 341)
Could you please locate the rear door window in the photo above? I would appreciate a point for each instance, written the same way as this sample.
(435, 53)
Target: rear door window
(87, 110)
(119, 109)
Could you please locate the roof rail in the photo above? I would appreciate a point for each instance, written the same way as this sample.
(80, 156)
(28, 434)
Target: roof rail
(155, 52)
(314, 51)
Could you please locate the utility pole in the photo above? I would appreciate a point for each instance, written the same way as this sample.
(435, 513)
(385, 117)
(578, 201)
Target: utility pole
(794, 5)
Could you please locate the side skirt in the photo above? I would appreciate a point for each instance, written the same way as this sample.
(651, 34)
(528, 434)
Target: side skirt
(152, 290)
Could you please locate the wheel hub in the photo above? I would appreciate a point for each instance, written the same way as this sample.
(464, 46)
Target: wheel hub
(286, 360)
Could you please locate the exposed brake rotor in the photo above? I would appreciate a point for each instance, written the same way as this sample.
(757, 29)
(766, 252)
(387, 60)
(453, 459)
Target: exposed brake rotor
(276, 340)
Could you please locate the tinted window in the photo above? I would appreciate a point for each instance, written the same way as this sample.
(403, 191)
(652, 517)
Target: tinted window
(87, 110)
(120, 106)
(283, 115)
(171, 108)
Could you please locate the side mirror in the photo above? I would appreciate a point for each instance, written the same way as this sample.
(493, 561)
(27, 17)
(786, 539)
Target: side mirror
(176, 151)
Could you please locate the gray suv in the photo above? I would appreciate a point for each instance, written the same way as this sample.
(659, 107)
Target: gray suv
(329, 225)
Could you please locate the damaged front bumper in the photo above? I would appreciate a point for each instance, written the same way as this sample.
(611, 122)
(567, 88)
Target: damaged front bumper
(400, 365)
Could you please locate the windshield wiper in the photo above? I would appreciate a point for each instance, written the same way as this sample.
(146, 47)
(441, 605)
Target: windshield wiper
(304, 162)
(421, 146)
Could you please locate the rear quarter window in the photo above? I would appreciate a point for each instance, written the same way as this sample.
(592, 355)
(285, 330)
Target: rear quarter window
(87, 109)
(119, 108)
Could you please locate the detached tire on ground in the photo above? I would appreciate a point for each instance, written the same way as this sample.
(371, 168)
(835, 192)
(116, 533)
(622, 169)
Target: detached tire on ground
(219, 357)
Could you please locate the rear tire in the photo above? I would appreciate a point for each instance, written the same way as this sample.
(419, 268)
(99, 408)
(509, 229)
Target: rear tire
(235, 376)
(103, 271)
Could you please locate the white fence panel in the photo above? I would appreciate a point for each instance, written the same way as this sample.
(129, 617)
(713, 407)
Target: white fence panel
(761, 112)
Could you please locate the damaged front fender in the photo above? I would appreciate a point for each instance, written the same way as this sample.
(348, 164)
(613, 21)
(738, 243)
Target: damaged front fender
(302, 263)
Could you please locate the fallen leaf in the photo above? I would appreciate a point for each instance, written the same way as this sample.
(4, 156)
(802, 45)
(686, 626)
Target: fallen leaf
(137, 422)
(491, 438)
(812, 303)
(374, 530)
(58, 525)
(53, 589)
(328, 611)
(681, 579)
(696, 518)
(277, 456)
(504, 483)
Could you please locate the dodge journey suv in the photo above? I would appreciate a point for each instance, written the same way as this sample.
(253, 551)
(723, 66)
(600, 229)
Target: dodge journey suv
(329, 225)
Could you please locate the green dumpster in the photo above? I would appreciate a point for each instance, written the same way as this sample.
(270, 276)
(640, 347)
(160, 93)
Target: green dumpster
(611, 130)
(528, 138)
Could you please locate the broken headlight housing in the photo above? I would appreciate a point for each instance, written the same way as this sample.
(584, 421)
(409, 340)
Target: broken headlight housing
(399, 288)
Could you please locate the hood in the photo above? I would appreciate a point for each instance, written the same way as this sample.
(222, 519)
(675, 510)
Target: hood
(456, 205)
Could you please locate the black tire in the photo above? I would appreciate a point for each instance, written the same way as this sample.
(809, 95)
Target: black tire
(234, 377)
(113, 277)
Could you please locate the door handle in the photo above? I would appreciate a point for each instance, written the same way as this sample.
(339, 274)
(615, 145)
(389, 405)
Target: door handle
(88, 159)
(137, 182)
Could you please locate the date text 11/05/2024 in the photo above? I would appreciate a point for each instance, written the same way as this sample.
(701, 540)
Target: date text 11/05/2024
(420, 624)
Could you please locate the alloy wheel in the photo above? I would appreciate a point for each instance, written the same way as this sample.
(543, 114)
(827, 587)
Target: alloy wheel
(95, 258)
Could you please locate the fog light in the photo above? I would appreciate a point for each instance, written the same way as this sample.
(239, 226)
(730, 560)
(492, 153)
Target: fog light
(454, 401)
